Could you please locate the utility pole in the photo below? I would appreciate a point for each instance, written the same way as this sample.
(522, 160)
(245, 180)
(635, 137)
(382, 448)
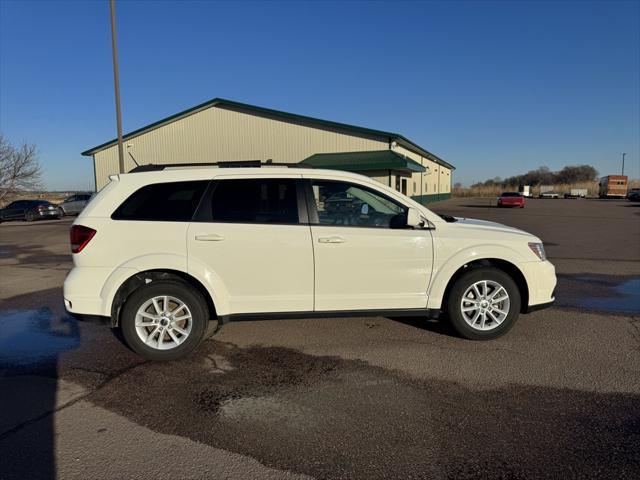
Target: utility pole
(623, 163)
(116, 82)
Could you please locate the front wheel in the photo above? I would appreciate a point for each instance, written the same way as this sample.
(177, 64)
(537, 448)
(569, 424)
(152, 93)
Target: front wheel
(164, 320)
(483, 304)
(30, 217)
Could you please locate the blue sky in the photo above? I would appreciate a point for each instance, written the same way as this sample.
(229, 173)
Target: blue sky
(495, 88)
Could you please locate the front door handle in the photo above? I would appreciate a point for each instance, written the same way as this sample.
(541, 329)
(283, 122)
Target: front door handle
(331, 239)
(211, 237)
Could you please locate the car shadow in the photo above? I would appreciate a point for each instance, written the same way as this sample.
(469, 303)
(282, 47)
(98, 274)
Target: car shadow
(31, 342)
(440, 325)
(488, 205)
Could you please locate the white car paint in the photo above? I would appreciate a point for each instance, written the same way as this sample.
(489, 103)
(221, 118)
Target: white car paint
(249, 268)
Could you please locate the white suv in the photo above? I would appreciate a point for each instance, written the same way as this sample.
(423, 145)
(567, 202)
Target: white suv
(169, 253)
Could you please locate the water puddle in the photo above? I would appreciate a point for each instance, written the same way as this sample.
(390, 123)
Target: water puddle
(602, 293)
(35, 336)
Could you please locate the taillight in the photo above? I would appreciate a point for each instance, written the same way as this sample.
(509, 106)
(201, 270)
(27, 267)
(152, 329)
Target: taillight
(80, 236)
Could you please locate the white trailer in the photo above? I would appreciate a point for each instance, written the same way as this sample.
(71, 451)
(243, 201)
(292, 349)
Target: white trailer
(525, 190)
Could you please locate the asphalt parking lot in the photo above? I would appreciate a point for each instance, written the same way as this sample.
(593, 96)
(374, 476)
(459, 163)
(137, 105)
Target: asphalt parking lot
(336, 398)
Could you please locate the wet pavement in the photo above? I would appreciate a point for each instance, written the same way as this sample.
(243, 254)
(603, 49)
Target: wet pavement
(330, 398)
(32, 337)
(606, 294)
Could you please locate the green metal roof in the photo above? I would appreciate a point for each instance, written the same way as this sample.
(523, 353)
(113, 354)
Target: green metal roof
(361, 161)
(279, 115)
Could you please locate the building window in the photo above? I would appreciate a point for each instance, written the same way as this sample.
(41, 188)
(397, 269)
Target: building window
(426, 188)
(415, 187)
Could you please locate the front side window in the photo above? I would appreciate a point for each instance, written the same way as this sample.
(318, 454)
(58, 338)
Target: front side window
(348, 204)
(268, 200)
(162, 202)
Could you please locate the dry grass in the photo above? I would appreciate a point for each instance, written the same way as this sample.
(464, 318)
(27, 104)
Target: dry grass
(494, 191)
(53, 197)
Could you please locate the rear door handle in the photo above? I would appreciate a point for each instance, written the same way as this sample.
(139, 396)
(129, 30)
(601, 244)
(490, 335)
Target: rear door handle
(211, 237)
(331, 239)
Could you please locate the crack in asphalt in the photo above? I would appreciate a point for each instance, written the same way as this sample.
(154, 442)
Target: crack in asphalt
(109, 378)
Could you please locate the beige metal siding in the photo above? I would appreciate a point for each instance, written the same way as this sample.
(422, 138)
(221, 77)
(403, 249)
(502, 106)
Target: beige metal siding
(437, 179)
(381, 176)
(217, 134)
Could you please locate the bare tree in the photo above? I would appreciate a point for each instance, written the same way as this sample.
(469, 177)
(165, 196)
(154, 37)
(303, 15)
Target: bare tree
(19, 168)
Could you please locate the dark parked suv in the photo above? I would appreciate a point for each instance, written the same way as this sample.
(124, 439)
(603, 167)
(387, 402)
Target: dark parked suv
(29, 210)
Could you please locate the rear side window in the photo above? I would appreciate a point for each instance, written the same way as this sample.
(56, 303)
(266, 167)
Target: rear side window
(269, 200)
(162, 202)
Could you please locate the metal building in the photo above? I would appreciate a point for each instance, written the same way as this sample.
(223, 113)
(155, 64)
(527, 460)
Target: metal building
(223, 130)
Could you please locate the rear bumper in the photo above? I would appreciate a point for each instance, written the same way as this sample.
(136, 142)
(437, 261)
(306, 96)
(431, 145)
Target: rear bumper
(48, 213)
(90, 290)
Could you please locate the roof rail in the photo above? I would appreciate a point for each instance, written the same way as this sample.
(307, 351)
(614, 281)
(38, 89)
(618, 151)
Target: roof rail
(151, 167)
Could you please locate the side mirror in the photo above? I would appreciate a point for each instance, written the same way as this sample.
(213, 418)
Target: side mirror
(415, 219)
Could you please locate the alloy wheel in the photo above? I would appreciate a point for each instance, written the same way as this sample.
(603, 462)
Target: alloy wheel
(163, 322)
(485, 305)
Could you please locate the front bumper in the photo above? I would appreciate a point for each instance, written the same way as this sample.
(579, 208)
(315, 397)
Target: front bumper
(540, 306)
(541, 280)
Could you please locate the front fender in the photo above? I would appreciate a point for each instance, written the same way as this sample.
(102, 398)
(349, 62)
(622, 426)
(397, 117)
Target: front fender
(442, 273)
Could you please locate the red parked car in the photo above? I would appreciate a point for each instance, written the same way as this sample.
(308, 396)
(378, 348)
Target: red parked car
(511, 199)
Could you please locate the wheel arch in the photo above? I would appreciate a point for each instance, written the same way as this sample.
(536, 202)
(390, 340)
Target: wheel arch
(504, 265)
(144, 277)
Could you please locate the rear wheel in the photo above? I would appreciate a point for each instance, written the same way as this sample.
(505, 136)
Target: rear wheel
(164, 320)
(483, 304)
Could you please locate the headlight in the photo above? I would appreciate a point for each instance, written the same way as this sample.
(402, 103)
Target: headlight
(538, 249)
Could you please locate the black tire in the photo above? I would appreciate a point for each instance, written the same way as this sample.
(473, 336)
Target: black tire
(185, 293)
(461, 285)
(212, 328)
(29, 217)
